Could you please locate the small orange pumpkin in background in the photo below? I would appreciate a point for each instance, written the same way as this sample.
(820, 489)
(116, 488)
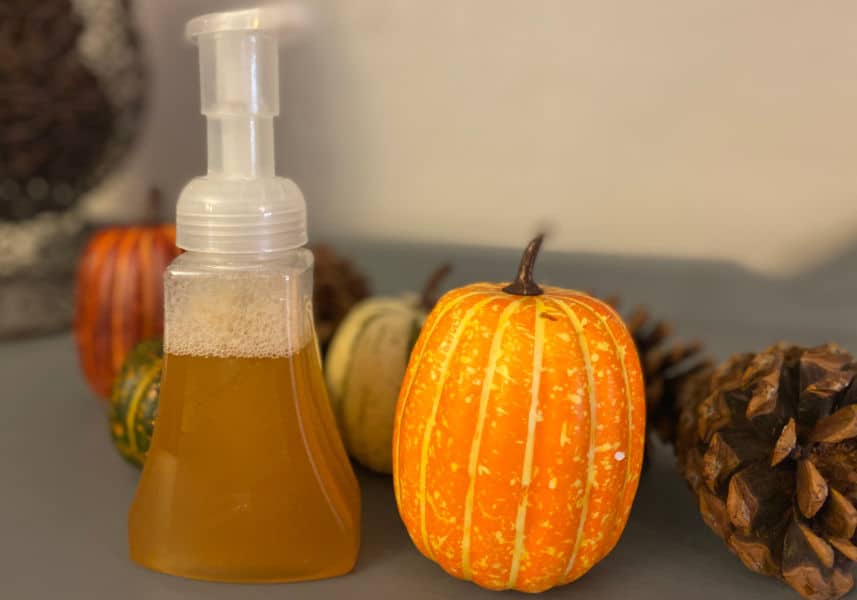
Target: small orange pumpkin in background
(119, 297)
(519, 433)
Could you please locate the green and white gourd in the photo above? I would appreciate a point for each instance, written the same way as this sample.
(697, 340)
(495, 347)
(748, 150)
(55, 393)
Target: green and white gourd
(365, 366)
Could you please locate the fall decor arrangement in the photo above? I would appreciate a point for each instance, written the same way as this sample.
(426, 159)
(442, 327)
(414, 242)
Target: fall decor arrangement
(119, 299)
(134, 401)
(768, 443)
(365, 365)
(337, 286)
(512, 417)
(519, 433)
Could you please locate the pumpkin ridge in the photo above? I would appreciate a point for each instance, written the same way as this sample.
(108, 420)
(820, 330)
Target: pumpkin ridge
(487, 381)
(416, 359)
(429, 428)
(621, 354)
(119, 298)
(101, 337)
(121, 282)
(86, 313)
(590, 385)
(558, 292)
(526, 470)
(142, 387)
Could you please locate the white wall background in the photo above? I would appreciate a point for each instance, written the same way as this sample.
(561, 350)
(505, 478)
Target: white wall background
(709, 128)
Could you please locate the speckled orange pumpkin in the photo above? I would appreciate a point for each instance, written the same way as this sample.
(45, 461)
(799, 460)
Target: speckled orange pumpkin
(519, 433)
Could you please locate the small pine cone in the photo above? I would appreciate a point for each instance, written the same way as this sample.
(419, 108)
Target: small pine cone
(768, 443)
(337, 286)
(667, 365)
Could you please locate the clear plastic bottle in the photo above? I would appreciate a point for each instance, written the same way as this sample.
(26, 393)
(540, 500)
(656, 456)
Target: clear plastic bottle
(246, 478)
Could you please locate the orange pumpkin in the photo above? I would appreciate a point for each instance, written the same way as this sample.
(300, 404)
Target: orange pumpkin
(120, 297)
(519, 433)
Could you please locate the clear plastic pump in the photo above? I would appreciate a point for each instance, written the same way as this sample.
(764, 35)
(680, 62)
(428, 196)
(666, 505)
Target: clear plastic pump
(246, 478)
(240, 205)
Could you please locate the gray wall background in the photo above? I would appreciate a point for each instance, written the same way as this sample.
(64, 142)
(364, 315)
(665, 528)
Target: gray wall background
(705, 129)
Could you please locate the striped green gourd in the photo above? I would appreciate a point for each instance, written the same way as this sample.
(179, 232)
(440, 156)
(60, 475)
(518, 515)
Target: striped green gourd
(134, 401)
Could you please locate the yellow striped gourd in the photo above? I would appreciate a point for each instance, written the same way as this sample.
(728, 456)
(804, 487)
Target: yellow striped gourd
(364, 367)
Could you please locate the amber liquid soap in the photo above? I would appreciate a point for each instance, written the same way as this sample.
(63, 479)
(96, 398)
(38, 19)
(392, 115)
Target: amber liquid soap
(247, 478)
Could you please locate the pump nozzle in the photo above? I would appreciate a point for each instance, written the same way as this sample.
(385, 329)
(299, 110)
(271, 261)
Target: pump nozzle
(238, 57)
(240, 206)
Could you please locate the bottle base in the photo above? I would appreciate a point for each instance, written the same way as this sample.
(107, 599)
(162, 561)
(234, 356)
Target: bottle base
(267, 577)
(245, 479)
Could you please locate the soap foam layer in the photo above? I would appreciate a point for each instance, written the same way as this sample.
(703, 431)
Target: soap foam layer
(244, 315)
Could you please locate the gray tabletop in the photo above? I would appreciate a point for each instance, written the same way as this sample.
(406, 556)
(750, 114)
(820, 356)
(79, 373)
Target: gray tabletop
(64, 492)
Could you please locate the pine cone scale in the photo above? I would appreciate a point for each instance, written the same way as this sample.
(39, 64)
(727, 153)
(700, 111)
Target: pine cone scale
(838, 463)
(811, 489)
(845, 547)
(755, 554)
(714, 512)
(755, 500)
(726, 453)
(840, 426)
(839, 516)
(805, 566)
(786, 443)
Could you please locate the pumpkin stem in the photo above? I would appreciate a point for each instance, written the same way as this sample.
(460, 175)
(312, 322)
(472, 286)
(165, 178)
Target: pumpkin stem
(429, 297)
(155, 201)
(524, 284)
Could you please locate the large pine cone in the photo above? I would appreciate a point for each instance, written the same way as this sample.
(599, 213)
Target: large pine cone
(768, 443)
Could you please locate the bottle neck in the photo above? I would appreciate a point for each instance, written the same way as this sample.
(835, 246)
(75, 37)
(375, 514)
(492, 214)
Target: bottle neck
(243, 259)
(296, 260)
(241, 146)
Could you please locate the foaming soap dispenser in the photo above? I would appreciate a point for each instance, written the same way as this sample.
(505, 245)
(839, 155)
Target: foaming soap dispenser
(246, 479)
